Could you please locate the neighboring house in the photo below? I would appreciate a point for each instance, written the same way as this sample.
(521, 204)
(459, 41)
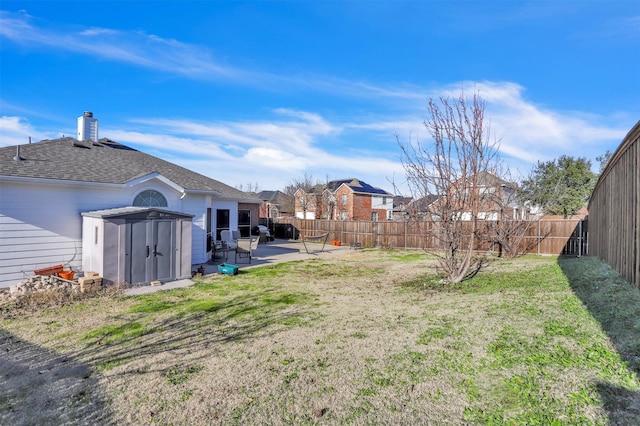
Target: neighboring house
(61, 199)
(400, 205)
(344, 199)
(498, 199)
(276, 204)
(308, 203)
(406, 208)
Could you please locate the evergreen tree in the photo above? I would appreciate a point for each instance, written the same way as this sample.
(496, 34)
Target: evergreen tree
(561, 186)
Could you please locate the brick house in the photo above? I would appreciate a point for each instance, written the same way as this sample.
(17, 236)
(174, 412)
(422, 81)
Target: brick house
(275, 204)
(344, 199)
(498, 199)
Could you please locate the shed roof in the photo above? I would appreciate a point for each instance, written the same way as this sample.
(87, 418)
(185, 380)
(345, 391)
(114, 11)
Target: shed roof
(131, 211)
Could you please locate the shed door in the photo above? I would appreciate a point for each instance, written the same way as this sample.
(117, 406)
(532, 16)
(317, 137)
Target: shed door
(151, 247)
(164, 249)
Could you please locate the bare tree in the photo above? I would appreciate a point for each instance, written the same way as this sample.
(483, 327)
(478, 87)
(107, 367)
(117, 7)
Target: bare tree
(305, 182)
(250, 187)
(304, 190)
(510, 221)
(451, 168)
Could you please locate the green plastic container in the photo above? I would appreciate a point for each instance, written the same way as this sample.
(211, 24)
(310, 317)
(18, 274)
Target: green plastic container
(227, 268)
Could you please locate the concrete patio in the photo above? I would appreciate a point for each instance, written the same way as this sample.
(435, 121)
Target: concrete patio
(273, 252)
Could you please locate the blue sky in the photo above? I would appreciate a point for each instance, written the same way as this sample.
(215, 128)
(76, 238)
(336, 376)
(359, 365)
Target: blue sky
(264, 92)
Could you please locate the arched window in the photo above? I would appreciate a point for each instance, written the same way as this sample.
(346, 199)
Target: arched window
(150, 198)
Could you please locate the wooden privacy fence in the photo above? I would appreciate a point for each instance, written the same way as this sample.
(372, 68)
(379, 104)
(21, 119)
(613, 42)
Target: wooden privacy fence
(614, 210)
(543, 237)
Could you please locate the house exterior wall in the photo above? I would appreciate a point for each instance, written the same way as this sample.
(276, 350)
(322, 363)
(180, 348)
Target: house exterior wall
(265, 209)
(305, 205)
(276, 204)
(343, 204)
(197, 205)
(361, 206)
(274, 210)
(41, 225)
(383, 205)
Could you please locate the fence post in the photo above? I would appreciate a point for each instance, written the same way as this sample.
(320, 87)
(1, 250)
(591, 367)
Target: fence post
(405, 235)
(538, 237)
(580, 239)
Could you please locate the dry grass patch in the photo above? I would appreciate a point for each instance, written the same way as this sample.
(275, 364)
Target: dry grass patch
(367, 338)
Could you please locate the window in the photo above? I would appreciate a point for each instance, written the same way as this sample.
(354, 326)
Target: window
(150, 198)
(301, 201)
(343, 215)
(384, 200)
(222, 222)
(374, 216)
(344, 199)
(244, 223)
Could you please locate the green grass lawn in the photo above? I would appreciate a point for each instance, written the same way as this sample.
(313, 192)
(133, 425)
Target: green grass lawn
(369, 338)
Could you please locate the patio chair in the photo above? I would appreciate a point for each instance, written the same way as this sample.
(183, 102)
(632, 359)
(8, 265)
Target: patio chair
(229, 238)
(222, 248)
(245, 247)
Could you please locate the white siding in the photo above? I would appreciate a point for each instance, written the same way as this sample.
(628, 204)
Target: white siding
(197, 206)
(382, 202)
(41, 225)
(309, 215)
(93, 245)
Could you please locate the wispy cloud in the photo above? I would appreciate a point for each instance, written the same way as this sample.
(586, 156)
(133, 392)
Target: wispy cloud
(532, 132)
(134, 47)
(278, 150)
(290, 142)
(17, 131)
(171, 56)
(622, 30)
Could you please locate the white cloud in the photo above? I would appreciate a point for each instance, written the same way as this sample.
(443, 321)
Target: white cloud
(529, 132)
(137, 48)
(290, 143)
(18, 131)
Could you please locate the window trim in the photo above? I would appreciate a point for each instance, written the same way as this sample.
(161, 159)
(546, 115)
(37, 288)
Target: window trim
(150, 198)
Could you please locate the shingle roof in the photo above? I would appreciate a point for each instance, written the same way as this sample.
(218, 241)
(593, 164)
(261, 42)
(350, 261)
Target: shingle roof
(356, 185)
(105, 161)
(285, 201)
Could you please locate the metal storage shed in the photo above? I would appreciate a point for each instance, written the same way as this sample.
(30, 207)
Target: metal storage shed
(137, 245)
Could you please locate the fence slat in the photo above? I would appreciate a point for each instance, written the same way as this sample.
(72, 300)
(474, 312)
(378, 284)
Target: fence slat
(544, 237)
(614, 210)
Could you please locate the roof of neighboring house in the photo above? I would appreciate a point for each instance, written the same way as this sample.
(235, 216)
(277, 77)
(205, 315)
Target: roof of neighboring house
(422, 204)
(285, 201)
(272, 195)
(356, 185)
(105, 161)
(490, 179)
(399, 200)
